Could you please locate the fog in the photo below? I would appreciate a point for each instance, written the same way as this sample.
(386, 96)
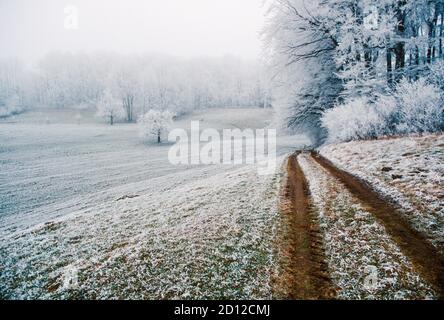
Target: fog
(29, 29)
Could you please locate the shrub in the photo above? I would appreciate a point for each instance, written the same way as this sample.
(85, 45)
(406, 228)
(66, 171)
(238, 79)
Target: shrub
(419, 107)
(10, 106)
(414, 107)
(387, 108)
(436, 74)
(353, 120)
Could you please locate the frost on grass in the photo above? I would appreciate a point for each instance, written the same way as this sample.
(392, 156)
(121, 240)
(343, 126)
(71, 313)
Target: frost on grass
(408, 170)
(357, 245)
(206, 239)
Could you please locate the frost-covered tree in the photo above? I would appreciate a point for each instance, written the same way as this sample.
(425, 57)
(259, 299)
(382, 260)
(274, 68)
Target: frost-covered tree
(155, 125)
(15, 87)
(109, 108)
(10, 106)
(361, 29)
(339, 53)
(146, 82)
(301, 50)
(126, 85)
(69, 80)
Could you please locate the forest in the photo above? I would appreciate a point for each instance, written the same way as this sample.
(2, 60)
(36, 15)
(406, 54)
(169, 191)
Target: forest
(357, 69)
(139, 82)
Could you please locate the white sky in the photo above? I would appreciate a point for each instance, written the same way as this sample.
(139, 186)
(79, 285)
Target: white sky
(30, 28)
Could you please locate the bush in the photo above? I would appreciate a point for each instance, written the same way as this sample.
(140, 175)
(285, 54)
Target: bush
(419, 107)
(10, 106)
(436, 74)
(387, 108)
(354, 120)
(414, 107)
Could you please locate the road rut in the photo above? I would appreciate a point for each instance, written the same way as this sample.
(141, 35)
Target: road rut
(305, 274)
(428, 262)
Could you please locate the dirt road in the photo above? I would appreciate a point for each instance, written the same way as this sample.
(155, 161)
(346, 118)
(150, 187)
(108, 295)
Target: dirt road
(307, 274)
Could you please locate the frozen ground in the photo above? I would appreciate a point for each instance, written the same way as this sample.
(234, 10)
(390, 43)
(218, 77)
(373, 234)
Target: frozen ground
(364, 261)
(409, 171)
(96, 200)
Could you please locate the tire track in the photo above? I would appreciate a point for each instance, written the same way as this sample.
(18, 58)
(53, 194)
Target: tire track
(427, 260)
(304, 274)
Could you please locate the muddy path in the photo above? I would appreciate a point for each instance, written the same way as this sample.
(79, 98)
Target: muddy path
(304, 274)
(425, 257)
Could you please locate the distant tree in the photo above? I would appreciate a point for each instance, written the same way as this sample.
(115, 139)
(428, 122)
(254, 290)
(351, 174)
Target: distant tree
(15, 89)
(109, 108)
(139, 82)
(155, 125)
(10, 106)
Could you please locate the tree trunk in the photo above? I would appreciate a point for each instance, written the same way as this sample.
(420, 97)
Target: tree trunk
(111, 120)
(400, 60)
(431, 50)
(158, 138)
(414, 55)
(430, 46)
(128, 102)
(389, 67)
(441, 32)
(400, 45)
(367, 56)
(417, 56)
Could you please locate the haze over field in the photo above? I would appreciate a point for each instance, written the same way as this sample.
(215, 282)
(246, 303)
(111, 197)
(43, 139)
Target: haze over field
(175, 27)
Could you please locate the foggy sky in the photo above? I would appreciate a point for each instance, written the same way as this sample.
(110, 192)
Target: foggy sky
(31, 28)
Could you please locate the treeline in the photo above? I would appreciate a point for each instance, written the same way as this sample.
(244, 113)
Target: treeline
(139, 82)
(329, 54)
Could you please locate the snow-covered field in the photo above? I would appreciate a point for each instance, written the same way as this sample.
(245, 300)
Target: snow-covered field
(94, 204)
(409, 171)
